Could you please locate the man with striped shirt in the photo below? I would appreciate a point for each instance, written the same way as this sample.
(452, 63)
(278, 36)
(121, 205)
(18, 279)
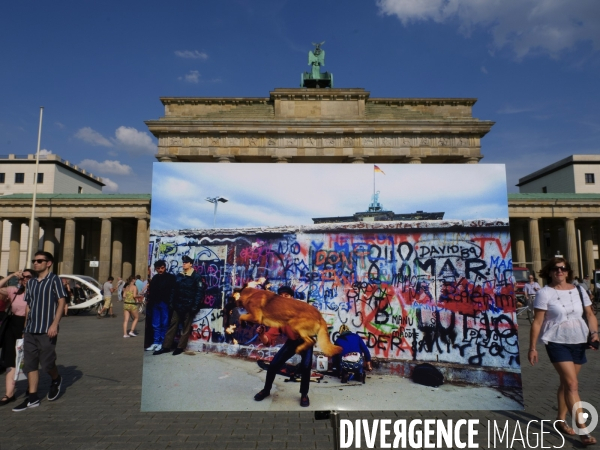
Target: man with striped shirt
(45, 298)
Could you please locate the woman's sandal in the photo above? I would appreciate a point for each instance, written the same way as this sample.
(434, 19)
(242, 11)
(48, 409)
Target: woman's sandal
(564, 428)
(588, 439)
(6, 400)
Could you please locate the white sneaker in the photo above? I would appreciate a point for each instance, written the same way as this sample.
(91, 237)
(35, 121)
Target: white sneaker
(158, 347)
(152, 348)
(125, 335)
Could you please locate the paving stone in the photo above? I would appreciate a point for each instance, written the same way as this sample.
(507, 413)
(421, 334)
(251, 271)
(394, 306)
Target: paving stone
(100, 408)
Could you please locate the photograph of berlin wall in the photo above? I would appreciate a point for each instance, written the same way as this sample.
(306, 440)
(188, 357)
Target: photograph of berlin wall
(288, 287)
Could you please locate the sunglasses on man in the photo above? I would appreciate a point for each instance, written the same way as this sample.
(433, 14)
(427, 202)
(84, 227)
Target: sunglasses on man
(38, 261)
(559, 268)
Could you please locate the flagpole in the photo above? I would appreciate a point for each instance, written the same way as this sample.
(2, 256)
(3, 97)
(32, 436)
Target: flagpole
(35, 179)
(373, 183)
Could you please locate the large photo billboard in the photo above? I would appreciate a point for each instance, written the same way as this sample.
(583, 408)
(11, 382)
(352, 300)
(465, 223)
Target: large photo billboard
(348, 287)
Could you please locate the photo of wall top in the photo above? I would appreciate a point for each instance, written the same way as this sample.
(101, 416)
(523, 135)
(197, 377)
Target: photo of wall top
(330, 287)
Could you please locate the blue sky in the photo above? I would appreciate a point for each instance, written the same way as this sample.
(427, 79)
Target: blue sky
(99, 69)
(288, 194)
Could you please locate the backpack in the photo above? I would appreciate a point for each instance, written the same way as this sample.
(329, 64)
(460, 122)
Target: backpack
(427, 375)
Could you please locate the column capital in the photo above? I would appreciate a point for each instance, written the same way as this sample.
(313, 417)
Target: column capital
(414, 160)
(165, 158)
(473, 159)
(279, 159)
(357, 159)
(225, 158)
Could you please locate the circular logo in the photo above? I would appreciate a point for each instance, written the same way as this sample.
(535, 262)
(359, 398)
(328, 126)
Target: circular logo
(588, 415)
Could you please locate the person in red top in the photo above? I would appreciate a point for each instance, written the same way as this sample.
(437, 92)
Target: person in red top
(268, 337)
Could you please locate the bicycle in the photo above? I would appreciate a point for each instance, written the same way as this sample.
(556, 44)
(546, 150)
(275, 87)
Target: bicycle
(527, 308)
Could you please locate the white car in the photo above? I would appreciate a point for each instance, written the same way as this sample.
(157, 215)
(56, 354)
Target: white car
(87, 293)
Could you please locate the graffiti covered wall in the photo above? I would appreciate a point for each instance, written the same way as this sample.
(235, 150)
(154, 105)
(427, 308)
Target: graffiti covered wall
(439, 291)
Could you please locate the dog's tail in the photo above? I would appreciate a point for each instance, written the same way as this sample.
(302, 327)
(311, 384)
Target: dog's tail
(325, 343)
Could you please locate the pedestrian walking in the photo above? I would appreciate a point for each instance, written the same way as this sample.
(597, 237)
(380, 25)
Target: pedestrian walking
(130, 308)
(108, 290)
(559, 324)
(13, 329)
(45, 298)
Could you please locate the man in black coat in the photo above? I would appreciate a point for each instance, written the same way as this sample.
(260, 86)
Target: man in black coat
(160, 291)
(186, 299)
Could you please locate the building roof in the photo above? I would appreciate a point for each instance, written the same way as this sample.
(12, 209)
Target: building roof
(568, 161)
(553, 196)
(51, 159)
(78, 196)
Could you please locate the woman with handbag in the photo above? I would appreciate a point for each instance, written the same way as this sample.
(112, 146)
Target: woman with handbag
(559, 323)
(14, 327)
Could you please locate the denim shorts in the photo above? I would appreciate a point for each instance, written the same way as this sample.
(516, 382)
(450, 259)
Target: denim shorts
(566, 352)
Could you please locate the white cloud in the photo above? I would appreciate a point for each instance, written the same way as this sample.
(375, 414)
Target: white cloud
(90, 136)
(111, 186)
(107, 166)
(137, 141)
(515, 110)
(191, 54)
(193, 76)
(526, 26)
(59, 125)
(484, 70)
(45, 152)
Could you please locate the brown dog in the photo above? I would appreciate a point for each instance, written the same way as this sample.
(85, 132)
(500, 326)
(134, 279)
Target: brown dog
(270, 309)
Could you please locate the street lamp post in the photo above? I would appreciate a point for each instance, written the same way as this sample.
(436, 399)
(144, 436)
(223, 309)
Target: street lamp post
(215, 201)
(30, 243)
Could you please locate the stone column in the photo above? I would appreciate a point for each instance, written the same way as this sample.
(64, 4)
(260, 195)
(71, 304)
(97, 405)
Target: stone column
(49, 236)
(105, 247)
(68, 247)
(35, 242)
(534, 243)
(519, 243)
(225, 159)
(128, 253)
(414, 160)
(117, 252)
(14, 255)
(588, 249)
(165, 158)
(141, 249)
(572, 245)
(472, 160)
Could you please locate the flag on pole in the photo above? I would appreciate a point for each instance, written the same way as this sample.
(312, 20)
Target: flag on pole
(378, 170)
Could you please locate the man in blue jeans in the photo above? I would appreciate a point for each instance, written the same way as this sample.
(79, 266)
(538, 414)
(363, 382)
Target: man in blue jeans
(286, 352)
(160, 291)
